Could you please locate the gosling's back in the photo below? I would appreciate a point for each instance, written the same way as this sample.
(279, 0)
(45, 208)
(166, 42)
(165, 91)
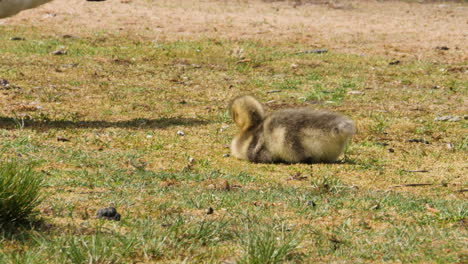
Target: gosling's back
(305, 135)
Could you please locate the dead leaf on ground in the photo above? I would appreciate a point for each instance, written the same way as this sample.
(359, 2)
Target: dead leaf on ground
(243, 61)
(431, 210)
(265, 204)
(169, 183)
(298, 177)
(27, 107)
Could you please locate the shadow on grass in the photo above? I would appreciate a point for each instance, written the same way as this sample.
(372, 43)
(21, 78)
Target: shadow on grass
(345, 161)
(21, 231)
(137, 123)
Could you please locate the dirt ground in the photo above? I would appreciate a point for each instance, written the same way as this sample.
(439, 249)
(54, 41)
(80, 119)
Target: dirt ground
(390, 28)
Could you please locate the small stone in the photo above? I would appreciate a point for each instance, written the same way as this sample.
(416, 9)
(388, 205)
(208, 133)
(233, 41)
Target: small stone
(315, 51)
(418, 140)
(60, 51)
(17, 38)
(355, 92)
(311, 203)
(223, 128)
(442, 48)
(49, 15)
(448, 118)
(383, 144)
(62, 139)
(109, 213)
(4, 84)
(226, 155)
(180, 133)
(69, 65)
(68, 36)
(273, 91)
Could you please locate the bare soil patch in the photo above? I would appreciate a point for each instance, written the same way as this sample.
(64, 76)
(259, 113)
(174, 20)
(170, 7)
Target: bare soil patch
(395, 29)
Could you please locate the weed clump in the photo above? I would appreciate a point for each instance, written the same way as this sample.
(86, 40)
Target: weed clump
(269, 245)
(19, 193)
(327, 184)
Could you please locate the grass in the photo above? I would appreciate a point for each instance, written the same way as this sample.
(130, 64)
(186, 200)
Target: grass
(20, 194)
(120, 101)
(267, 245)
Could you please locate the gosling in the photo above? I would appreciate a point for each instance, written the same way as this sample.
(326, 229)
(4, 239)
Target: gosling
(299, 135)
